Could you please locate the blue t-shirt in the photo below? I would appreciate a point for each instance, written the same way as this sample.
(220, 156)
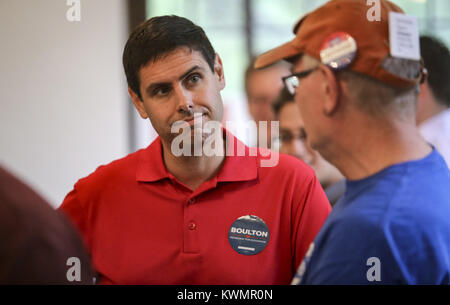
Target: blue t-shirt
(390, 228)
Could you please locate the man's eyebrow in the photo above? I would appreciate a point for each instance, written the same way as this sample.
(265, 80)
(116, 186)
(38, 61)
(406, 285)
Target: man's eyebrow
(155, 85)
(190, 71)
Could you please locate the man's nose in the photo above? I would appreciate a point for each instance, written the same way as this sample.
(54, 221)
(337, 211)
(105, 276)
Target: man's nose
(184, 99)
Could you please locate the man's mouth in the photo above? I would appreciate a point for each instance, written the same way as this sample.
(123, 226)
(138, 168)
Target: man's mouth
(191, 120)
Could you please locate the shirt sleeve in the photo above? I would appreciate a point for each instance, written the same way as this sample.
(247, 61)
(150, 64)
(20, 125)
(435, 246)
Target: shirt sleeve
(351, 253)
(73, 208)
(308, 218)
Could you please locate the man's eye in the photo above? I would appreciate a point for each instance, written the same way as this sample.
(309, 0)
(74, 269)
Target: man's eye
(161, 91)
(285, 137)
(194, 78)
(302, 134)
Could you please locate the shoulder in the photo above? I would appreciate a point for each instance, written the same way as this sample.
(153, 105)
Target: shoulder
(287, 174)
(115, 172)
(404, 240)
(344, 248)
(354, 223)
(351, 231)
(31, 229)
(281, 164)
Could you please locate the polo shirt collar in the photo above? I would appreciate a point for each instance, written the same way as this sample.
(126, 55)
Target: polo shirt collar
(151, 167)
(238, 168)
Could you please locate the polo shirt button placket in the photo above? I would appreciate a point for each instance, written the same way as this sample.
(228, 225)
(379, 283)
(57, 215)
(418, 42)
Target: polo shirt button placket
(190, 244)
(192, 225)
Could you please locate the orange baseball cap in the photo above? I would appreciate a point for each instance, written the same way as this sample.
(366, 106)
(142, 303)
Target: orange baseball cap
(346, 19)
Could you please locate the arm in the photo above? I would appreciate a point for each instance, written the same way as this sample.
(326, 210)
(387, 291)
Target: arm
(350, 252)
(308, 218)
(73, 208)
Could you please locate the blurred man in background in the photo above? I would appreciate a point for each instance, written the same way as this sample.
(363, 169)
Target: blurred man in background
(433, 112)
(293, 141)
(262, 88)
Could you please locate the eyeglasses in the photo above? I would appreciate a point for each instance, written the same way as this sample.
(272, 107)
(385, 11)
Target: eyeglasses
(292, 81)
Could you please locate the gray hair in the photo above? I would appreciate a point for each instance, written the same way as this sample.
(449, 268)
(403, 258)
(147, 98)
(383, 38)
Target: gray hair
(378, 99)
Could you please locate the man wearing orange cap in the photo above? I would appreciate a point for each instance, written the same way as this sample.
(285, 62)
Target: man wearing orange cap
(356, 81)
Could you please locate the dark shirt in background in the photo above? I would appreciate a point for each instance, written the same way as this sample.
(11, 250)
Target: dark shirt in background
(36, 241)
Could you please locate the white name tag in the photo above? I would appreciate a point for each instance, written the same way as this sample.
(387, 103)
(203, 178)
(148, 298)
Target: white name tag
(404, 36)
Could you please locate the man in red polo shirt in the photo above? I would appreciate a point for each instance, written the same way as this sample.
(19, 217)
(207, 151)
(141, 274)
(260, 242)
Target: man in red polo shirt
(161, 217)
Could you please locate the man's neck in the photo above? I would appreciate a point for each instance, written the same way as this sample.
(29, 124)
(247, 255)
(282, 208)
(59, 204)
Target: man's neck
(369, 151)
(192, 171)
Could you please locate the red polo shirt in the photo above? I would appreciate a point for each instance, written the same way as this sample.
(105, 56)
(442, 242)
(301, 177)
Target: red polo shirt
(142, 226)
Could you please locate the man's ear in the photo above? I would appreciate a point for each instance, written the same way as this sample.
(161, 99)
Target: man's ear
(138, 103)
(218, 70)
(331, 90)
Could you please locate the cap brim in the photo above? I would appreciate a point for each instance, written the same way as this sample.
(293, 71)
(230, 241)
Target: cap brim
(282, 52)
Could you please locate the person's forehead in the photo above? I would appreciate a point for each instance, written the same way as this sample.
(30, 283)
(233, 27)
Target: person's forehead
(269, 73)
(266, 83)
(171, 65)
(262, 86)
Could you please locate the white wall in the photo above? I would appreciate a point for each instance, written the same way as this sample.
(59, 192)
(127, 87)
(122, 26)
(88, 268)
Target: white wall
(63, 100)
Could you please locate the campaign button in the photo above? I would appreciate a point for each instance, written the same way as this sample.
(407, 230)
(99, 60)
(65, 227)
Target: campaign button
(248, 235)
(338, 50)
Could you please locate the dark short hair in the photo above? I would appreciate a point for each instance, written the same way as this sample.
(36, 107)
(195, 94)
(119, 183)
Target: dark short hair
(436, 57)
(285, 97)
(159, 36)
